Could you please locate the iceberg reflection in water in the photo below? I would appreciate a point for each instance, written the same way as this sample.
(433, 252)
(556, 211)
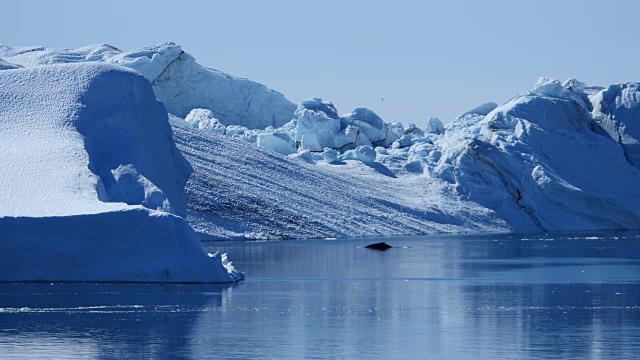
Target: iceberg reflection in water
(493, 296)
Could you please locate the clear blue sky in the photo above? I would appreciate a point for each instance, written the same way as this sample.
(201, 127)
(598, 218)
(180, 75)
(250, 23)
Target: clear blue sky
(424, 58)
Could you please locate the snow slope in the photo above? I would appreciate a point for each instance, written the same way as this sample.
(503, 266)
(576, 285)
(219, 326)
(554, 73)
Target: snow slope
(238, 190)
(555, 158)
(91, 181)
(178, 81)
(4, 65)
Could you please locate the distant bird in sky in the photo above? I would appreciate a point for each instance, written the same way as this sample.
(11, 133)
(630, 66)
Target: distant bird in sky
(382, 99)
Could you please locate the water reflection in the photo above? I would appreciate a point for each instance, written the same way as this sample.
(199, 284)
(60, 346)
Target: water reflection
(63, 320)
(506, 296)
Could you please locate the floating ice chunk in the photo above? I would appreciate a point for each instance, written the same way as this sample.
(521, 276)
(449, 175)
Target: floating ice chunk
(278, 142)
(381, 150)
(368, 122)
(549, 87)
(413, 129)
(308, 156)
(396, 128)
(434, 126)
(350, 138)
(574, 85)
(403, 142)
(235, 130)
(318, 124)
(365, 153)
(203, 119)
(330, 156)
(392, 136)
(346, 136)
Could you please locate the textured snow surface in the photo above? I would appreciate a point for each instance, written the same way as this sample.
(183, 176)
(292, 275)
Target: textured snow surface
(542, 162)
(177, 80)
(238, 190)
(91, 177)
(617, 110)
(4, 65)
(561, 157)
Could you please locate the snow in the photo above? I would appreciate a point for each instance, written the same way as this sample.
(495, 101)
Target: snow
(177, 80)
(365, 153)
(563, 156)
(539, 162)
(278, 142)
(4, 65)
(317, 125)
(617, 111)
(243, 191)
(549, 87)
(371, 125)
(330, 156)
(204, 119)
(434, 126)
(91, 178)
(349, 138)
(482, 109)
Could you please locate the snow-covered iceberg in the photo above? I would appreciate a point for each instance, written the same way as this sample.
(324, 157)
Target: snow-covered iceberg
(563, 156)
(92, 183)
(560, 157)
(617, 110)
(177, 80)
(543, 162)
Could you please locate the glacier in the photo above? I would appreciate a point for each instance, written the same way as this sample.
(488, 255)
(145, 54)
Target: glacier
(92, 182)
(562, 156)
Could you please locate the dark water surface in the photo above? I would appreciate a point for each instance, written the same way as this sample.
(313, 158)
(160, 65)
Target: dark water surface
(459, 297)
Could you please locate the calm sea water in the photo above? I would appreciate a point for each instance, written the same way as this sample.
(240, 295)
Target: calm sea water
(459, 297)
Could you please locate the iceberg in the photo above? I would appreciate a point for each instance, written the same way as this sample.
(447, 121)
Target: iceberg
(617, 111)
(177, 80)
(278, 142)
(93, 184)
(435, 125)
(317, 125)
(563, 156)
(247, 192)
(543, 163)
(371, 125)
(204, 119)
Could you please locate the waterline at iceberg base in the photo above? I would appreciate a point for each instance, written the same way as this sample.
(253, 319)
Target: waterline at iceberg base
(560, 157)
(92, 183)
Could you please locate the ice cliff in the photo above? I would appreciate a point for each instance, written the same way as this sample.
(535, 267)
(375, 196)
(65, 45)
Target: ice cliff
(92, 182)
(544, 162)
(177, 80)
